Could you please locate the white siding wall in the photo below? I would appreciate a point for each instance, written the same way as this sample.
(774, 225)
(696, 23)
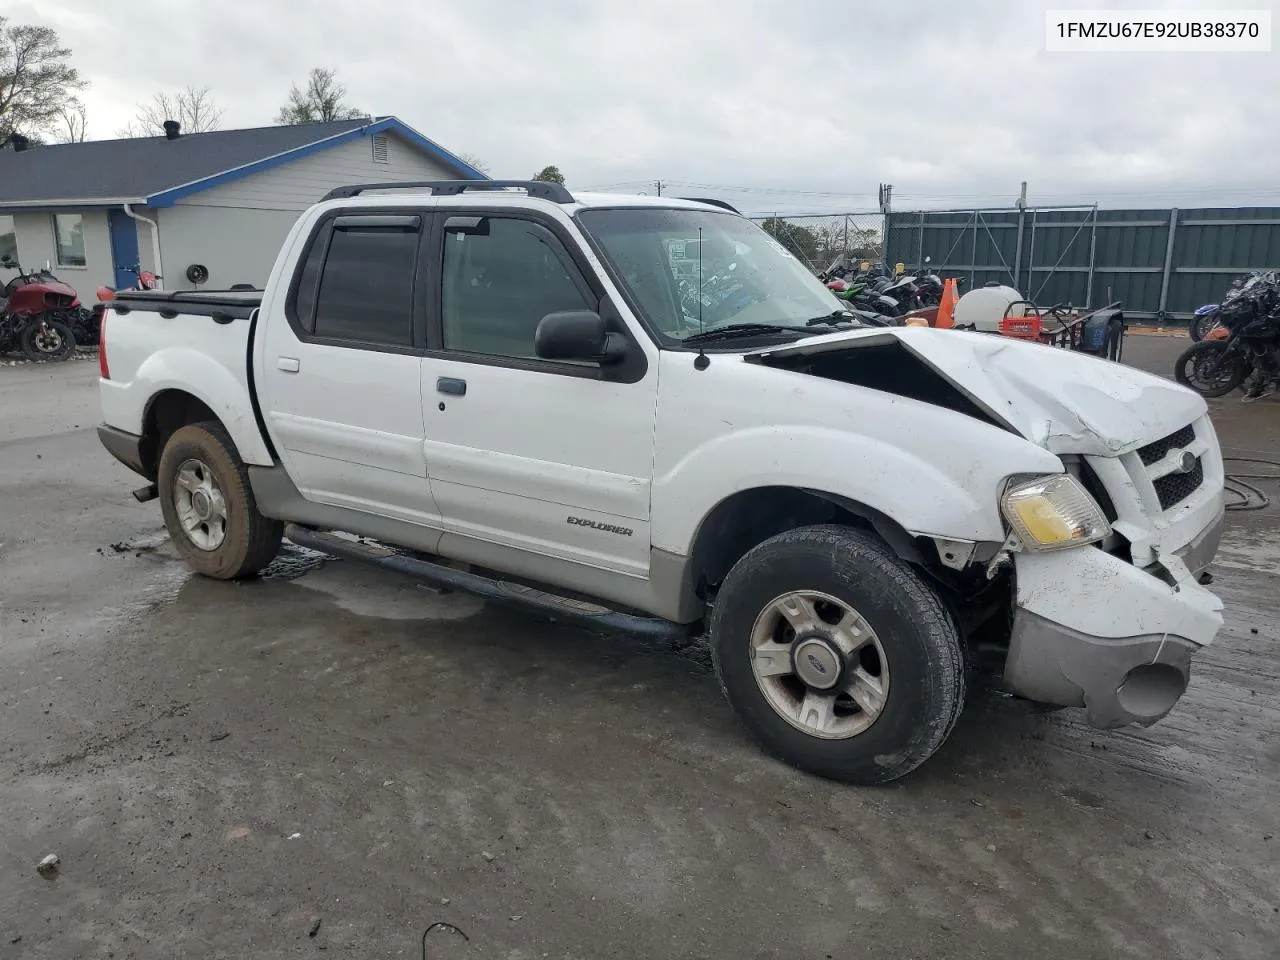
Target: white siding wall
(35, 246)
(237, 245)
(236, 229)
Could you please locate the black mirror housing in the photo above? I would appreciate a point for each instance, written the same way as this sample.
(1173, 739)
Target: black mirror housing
(577, 335)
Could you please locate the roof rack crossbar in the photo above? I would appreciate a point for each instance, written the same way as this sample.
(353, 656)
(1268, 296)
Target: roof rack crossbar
(555, 192)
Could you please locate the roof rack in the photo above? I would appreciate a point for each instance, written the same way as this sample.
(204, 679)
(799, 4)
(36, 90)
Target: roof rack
(555, 192)
(714, 203)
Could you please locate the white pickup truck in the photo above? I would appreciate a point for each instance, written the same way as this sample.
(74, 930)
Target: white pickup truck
(640, 413)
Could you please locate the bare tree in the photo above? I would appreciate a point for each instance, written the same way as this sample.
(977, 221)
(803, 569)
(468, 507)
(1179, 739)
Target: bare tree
(35, 78)
(193, 107)
(74, 121)
(471, 160)
(321, 101)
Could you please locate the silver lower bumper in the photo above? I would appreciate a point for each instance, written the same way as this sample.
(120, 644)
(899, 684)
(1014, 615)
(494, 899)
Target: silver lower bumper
(1117, 681)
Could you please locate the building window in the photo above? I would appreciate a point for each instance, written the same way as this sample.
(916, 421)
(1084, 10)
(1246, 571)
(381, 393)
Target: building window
(68, 239)
(8, 238)
(380, 148)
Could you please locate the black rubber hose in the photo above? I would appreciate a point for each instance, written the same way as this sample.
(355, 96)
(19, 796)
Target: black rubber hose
(1251, 498)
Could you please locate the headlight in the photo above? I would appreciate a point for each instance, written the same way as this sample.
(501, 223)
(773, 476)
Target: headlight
(1053, 512)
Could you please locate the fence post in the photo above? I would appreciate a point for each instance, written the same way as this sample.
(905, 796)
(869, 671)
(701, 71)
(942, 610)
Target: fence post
(973, 253)
(1017, 254)
(1168, 264)
(1093, 247)
(1031, 253)
(919, 243)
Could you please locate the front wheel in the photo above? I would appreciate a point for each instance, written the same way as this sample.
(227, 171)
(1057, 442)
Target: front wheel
(1202, 324)
(1210, 368)
(48, 340)
(836, 656)
(209, 508)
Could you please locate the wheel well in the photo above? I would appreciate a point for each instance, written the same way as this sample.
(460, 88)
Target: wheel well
(168, 411)
(750, 517)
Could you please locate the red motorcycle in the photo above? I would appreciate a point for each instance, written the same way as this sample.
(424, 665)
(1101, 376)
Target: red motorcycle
(31, 314)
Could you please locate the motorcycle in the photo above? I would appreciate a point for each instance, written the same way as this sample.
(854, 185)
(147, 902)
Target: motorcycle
(32, 314)
(1205, 320)
(1243, 349)
(93, 317)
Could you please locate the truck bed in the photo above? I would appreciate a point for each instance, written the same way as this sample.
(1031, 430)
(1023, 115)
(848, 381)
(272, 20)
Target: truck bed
(161, 340)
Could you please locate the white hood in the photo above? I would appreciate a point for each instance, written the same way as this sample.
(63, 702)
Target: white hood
(1063, 401)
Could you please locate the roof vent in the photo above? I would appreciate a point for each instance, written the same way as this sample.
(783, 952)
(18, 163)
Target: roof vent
(380, 148)
(171, 129)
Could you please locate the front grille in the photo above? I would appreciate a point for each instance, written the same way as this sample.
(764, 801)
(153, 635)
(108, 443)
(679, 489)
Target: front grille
(1173, 488)
(1153, 452)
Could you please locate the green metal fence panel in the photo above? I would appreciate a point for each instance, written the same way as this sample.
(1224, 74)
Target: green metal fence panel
(1162, 262)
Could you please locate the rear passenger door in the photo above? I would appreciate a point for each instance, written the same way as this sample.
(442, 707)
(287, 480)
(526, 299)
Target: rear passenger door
(341, 379)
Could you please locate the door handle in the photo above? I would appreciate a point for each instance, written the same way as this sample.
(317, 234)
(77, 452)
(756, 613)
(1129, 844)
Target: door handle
(288, 364)
(452, 386)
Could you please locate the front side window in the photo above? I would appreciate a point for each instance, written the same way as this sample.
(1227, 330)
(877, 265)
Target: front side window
(357, 282)
(68, 239)
(691, 270)
(8, 238)
(501, 276)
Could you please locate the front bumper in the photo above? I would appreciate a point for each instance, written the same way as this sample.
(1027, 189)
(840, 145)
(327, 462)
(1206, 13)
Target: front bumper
(1093, 631)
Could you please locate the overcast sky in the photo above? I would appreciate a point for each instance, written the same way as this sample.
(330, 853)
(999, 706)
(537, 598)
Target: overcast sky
(800, 105)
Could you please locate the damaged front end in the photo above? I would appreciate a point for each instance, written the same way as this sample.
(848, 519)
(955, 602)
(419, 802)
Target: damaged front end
(1110, 626)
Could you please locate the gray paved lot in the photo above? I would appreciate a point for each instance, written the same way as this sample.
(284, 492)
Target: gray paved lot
(221, 765)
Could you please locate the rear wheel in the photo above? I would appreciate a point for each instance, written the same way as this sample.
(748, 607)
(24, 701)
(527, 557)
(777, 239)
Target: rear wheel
(48, 340)
(209, 507)
(1202, 324)
(1210, 369)
(836, 656)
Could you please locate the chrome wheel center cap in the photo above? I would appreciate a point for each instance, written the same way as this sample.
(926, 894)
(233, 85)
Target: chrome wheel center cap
(817, 663)
(201, 504)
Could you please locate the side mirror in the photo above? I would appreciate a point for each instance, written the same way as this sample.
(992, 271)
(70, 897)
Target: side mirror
(577, 335)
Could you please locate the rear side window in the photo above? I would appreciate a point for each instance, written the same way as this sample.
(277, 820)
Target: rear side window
(357, 282)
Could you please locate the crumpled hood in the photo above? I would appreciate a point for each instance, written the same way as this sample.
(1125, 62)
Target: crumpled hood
(1063, 401)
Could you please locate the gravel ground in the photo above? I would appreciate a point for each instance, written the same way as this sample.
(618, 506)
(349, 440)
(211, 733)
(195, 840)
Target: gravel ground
(222, 767)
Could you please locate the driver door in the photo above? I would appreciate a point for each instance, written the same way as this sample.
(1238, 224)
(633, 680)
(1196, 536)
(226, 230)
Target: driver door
(552, 458)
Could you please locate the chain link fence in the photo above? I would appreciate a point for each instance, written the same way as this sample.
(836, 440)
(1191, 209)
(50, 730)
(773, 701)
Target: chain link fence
(822, 240)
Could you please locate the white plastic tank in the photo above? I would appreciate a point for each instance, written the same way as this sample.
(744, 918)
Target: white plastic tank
(983, 308)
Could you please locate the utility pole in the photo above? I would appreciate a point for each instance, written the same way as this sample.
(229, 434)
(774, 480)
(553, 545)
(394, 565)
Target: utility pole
(659, 184)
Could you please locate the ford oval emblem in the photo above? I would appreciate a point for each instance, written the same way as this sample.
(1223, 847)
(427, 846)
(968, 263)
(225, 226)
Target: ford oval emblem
(817, 664)
(1188, 462)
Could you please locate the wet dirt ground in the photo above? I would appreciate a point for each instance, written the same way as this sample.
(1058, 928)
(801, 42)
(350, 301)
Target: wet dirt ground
(221, 766)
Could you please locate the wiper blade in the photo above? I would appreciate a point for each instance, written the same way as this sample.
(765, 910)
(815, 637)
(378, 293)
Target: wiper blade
(729, 331)
(835, 316)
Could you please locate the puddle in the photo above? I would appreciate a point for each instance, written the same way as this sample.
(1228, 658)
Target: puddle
(370, 592)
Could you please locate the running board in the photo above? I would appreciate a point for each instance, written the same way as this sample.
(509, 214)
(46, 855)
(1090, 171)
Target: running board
(500, 591)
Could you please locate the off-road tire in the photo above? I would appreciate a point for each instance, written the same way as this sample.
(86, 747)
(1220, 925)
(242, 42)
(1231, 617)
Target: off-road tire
(918, 634)
(251, 541)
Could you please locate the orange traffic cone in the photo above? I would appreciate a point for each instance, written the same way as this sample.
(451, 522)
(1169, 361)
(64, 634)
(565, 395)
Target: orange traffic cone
(947, 305)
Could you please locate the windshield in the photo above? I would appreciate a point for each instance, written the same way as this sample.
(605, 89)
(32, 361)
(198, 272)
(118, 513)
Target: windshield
(747, 277)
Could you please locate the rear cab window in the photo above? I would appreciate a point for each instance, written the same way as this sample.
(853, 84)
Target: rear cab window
(358, 282)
